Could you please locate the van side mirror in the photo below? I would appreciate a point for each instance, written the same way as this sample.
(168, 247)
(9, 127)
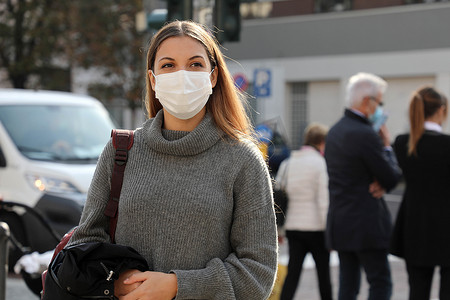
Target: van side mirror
(2, 159)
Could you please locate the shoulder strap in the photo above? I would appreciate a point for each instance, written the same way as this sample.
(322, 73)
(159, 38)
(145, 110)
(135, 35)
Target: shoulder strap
(284, 179)
(122, 141)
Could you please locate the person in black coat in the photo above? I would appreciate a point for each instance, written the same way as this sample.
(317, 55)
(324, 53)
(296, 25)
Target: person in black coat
(361, 168)
(421, 233)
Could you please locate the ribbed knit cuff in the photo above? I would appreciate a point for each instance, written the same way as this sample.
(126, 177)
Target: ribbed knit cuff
(207, 283)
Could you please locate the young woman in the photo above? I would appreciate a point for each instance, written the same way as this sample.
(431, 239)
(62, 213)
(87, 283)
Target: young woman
(421, 230)
(196, 200)
(304, 174)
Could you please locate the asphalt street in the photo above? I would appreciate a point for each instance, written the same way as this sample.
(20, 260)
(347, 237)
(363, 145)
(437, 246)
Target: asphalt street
(308, 284)
(16, 288)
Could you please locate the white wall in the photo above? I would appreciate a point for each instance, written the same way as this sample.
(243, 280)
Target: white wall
(327, 76)
(325, 103)
(274, 105)
(397, 99)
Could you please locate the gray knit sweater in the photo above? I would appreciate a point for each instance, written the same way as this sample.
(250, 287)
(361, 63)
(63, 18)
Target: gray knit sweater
(197, 204)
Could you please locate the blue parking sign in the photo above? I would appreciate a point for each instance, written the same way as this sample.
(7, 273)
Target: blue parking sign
(262, 83)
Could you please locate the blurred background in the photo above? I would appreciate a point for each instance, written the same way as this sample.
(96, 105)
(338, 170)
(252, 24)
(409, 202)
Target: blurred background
(292, 57)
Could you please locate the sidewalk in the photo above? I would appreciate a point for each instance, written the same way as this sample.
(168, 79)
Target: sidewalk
(16, 288)
(308, 287)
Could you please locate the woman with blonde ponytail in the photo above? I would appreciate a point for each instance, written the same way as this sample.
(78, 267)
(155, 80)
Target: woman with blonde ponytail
(421, 231)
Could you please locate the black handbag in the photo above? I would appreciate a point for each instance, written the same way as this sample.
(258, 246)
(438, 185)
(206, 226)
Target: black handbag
(88, 271)
(281, 199)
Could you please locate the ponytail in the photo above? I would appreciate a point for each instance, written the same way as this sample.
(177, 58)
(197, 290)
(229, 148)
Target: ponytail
(416, 121)
(424, 104)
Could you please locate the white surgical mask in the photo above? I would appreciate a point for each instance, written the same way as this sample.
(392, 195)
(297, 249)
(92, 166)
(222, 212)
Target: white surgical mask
(183, 94)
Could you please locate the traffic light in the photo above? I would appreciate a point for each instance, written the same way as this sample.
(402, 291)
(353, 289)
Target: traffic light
(156, 19)
(179, 10)
(227, 19)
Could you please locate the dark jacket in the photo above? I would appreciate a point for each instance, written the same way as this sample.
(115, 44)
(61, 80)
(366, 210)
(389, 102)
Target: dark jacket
(421, 233)
(355, 158)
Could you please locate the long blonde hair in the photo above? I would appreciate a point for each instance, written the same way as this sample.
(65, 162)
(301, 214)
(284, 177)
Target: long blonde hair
(226, 102)
(424, 103)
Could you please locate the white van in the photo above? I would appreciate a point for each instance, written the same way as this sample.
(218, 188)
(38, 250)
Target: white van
(49, 146)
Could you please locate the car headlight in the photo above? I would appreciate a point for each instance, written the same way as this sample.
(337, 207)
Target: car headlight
(51, 185)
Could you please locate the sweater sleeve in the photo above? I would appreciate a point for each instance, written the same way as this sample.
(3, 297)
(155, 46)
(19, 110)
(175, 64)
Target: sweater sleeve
(93, 223)
(249, 270)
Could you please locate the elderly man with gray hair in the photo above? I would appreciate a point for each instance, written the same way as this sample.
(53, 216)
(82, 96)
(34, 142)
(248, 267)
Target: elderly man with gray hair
(361, 168)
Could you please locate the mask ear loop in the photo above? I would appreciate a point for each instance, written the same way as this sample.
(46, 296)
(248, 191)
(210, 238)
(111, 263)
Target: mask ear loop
(210, 73)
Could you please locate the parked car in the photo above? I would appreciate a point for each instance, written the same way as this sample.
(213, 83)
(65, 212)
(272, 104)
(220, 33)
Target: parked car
(49, 145)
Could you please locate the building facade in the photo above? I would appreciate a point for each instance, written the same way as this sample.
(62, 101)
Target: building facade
(296, 67)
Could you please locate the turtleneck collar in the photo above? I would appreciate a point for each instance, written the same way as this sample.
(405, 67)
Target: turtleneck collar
(181, 143)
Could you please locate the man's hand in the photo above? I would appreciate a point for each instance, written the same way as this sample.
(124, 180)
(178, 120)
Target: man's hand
(376, 190)
(385, 136)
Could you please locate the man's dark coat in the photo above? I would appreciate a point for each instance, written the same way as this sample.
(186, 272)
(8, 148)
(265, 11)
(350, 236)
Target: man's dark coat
(355, 158)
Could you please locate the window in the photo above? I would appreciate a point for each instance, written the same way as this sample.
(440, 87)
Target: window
(332, 5)
(299, 113)
(57, 132)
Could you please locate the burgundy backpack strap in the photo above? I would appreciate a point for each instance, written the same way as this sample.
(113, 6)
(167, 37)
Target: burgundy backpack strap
(122, 141)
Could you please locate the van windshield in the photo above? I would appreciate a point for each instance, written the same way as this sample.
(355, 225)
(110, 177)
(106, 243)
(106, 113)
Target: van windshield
(57, 133)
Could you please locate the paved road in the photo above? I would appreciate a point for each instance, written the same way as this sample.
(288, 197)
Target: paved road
(308, 286)
(16, 288)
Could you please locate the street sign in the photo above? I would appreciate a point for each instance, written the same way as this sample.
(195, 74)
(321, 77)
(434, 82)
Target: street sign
(240, 81)
(262, 83)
